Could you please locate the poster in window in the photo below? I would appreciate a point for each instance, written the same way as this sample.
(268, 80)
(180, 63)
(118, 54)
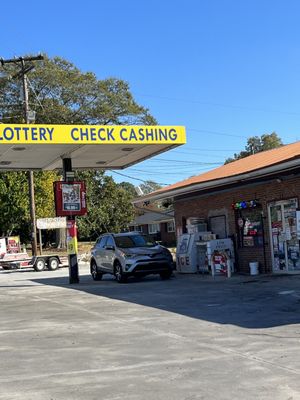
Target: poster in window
(251, 232)
(298, 224)
(71, 197)
(248, 241)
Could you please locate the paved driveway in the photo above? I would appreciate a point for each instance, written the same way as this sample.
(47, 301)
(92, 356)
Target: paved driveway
(188, 338)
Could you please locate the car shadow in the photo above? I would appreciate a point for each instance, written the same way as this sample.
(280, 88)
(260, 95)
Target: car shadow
(250, 303)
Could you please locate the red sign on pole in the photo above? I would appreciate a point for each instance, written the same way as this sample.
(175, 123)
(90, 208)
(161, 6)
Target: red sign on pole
(70, 198)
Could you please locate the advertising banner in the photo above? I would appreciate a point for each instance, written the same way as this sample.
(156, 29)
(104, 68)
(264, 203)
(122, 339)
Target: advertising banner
(72, 237)
(13, 244)
(70, 198)
(91, 134)
(51, 223)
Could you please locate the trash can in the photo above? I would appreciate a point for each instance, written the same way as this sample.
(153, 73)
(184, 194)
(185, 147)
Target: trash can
(253, 268)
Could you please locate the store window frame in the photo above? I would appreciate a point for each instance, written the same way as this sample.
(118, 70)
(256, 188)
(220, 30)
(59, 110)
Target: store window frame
(247, 239)
(288, 259)
(153, 228)
(215, 217)
(170, 226)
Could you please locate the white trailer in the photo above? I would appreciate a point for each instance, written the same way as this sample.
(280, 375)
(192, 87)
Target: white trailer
(11, 257)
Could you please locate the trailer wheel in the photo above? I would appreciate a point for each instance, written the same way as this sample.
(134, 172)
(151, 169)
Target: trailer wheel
(53, 263)
(39, 265)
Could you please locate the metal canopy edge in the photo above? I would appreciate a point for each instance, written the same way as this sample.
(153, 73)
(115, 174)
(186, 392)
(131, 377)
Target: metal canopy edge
(42, 147)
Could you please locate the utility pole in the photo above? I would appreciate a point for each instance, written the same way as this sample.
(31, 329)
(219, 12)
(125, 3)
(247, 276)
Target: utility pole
(22, 74)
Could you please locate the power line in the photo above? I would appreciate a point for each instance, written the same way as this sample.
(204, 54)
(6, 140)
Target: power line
(137, 179)
(186, 162)
(186, 147)
(216, 133)
(202, 155)
(35, 94)
(177, 168)
(218, 104)
(167, 173)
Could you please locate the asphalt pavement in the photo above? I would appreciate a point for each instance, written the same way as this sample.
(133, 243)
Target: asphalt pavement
(188, 338)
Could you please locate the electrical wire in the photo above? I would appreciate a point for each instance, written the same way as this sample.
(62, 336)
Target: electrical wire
(169, 173)
(218, 104)
(35, 94)
(185, 162)
(137, 179)
(186, 147)
(160, 171)
(216, 133)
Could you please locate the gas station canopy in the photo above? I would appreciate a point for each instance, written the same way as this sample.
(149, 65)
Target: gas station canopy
(42, 147)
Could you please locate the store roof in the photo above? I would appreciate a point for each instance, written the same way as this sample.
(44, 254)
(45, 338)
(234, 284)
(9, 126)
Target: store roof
(251, 167)
(150, 217)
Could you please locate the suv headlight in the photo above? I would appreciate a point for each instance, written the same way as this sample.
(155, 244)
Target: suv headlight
(127, 255)
(167, 254)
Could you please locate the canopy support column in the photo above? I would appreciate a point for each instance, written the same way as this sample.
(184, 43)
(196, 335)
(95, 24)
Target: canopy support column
(71, 228)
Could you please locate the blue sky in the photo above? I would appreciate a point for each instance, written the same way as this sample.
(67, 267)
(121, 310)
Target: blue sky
(225, 69)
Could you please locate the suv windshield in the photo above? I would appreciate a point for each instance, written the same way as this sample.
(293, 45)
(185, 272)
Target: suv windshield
(134, 241)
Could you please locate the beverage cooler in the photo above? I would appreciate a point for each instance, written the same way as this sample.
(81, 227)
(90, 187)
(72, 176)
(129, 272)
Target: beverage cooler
(188, 254)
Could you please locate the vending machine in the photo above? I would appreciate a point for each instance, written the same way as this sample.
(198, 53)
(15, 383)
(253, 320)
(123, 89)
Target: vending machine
(220, 255)
(202, 252)
(187, 254)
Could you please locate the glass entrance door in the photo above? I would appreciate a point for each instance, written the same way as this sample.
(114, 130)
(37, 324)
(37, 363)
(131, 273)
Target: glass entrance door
(284, 241)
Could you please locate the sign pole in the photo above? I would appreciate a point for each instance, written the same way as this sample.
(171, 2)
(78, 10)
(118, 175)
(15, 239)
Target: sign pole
(71, 229)
(30, 173)
(41, 242)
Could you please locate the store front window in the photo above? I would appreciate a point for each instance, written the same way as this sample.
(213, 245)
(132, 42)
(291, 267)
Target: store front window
(283, 235)
(153, 228)
(250, 227)
(170, 226)
(217, 225)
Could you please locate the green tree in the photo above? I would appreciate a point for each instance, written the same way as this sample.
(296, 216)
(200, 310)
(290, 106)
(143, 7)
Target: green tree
(129, 188)
(149, 186)
(256, 144)
(62, 94)
(109, 205)
(14, 201)
(44, 196)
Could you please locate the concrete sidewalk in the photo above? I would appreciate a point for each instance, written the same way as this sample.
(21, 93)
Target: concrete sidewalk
(184, 339)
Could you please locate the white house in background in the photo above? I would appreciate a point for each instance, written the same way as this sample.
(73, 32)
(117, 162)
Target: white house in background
(157, 223)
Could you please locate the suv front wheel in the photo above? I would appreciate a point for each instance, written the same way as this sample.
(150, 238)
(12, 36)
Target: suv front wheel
(97, 276)
(166, 275)
(120, 277)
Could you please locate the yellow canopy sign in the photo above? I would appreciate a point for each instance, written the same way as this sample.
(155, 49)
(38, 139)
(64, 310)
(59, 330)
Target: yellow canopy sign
(91, 134)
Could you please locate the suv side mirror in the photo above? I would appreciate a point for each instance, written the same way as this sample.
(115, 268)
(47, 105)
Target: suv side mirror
(109, 247)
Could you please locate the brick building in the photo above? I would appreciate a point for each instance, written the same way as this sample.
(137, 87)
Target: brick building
(254, 201)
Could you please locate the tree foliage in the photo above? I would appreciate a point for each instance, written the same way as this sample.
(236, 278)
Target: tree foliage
(129, 188)
(62, 94)
(149, 186)
(14, 201)
(109, 205)
(256, 144)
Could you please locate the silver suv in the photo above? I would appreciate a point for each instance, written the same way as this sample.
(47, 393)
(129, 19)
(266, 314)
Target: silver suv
(131, 253)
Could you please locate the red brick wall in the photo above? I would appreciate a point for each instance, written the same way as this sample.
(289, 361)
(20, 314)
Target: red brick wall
(167, 238)
(205, 205)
